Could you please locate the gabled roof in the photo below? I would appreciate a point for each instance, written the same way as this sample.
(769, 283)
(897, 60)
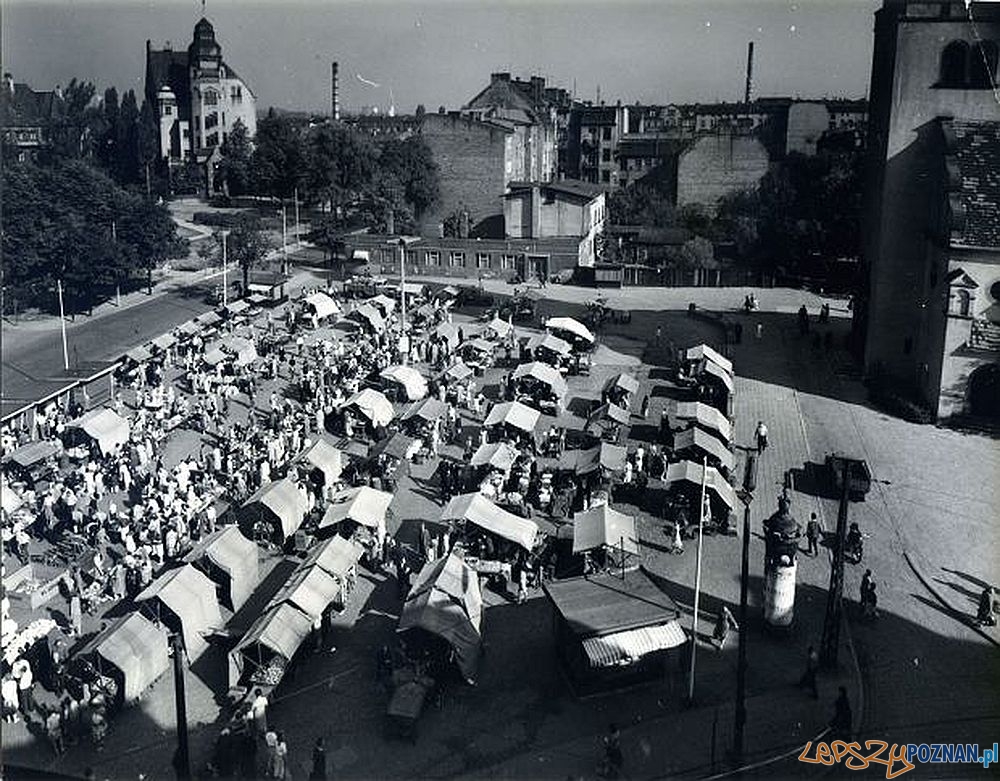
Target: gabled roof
(975, 147)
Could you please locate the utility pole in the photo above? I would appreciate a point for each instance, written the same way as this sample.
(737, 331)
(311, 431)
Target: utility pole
(835, 594)
(296, 216)
(749, 485)
(225, 269)
(697, 580)
(62, 325)
(182, 761)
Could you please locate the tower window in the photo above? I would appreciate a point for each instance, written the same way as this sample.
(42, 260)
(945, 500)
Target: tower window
(954, 64)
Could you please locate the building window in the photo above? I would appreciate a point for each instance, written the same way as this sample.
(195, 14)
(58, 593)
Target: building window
(457, 259)
(954, 59)
(606, 134)
(482, 260)
(432, 257)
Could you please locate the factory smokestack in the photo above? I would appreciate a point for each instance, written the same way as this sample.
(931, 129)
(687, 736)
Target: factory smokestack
(334, 93)
(749, 88)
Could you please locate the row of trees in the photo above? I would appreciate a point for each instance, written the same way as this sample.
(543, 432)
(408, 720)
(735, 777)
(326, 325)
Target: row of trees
(69, 221)
(332, 164)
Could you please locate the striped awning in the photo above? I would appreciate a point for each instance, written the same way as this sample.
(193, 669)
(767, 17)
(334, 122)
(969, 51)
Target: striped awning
(624, 648)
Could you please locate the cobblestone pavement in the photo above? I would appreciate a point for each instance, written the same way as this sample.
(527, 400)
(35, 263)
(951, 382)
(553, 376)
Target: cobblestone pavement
(923, 670)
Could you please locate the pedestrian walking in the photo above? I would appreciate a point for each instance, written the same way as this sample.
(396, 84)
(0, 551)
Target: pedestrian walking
(808, 678)
(840, 725)
(812, 535)
(760, 435)
(318, 772)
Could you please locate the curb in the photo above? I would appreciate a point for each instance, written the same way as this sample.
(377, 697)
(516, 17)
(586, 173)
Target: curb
(957, 614)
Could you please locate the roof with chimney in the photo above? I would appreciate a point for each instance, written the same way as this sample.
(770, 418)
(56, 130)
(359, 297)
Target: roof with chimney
(21, 106)
(973, 163)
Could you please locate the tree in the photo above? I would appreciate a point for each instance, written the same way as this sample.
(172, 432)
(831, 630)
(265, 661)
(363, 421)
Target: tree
(246, 245)
(232, 174)
(279, 156)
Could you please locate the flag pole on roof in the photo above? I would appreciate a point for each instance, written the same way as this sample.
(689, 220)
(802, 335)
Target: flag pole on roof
(697, 578)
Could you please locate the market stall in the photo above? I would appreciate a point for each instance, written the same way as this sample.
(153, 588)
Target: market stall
(513, 421)
(231, 561)
(579, 336)
(133, 651)
(611, 631)
(104, 427)
(311, 589)
(362, 506)
(324, 461)
(184, 601)
(608, 537)
(540, 383)
(408, 384)
(262, 655)
(707, 417)
(274, 512)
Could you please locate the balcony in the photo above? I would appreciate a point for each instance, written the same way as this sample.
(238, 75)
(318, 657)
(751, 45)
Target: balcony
(984, 336)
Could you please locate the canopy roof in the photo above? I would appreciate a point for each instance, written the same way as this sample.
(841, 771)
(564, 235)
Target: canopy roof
(310, 588)
(706, 416)
(190, 595)
(626, 382)
(35, 452)
(446, 601)
(322, 305)
(599, 605)
(383, 302)
(691, 472)
(137, 647)
(281, 629)
(430, 409)
(363, 504)
(500, 327)
(164, 341)
(703, 351)
(602, 456)
(284, 501)
(603, 526)
(544, 374)
(235, 555)
(695, 437)
(570, 326)
(369, 314)
(139, 354)
(326, 458)
(551, 343)
(716, 371)
(515, 414)
(498, 455)
(448, 332)
(373, 405)
(104, 426)
(480, 511)
(459, 371)
(412, 381)
(336, 555)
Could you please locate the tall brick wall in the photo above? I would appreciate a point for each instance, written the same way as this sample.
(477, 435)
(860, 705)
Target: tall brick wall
(719, 164)
(470, 157)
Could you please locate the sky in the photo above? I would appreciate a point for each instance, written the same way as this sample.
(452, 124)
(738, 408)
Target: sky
(441, 52)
